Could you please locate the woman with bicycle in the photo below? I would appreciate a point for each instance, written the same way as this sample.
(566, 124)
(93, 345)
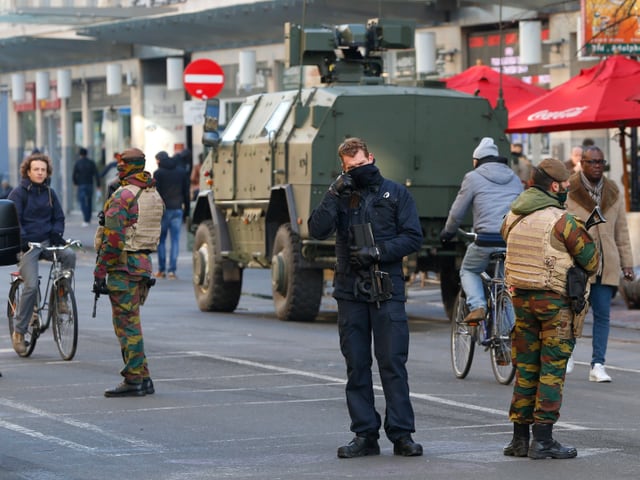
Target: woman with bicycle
(41, 220)
(489, 188)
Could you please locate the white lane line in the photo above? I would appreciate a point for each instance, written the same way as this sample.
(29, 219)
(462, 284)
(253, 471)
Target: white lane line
(134, 442)
(420, 396)
(47, 438)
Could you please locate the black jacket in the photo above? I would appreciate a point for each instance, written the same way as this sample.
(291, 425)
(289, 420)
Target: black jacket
(85, 172)
(172, 183)
(391, 210)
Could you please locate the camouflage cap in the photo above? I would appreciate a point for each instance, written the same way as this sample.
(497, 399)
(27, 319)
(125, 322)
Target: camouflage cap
(554, 169)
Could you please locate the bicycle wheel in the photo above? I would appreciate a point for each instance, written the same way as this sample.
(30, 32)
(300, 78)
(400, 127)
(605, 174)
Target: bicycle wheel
(33, 330)
(462, 338)
(64, 316)
(501, 364)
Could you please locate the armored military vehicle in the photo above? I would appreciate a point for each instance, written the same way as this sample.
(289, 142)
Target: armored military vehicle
(277, 156)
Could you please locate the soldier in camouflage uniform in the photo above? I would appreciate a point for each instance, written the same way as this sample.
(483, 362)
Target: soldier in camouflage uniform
(543, 242)
(128, 274)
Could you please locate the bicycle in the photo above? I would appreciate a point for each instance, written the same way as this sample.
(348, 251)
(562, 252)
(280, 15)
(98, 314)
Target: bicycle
(57, 305)
(493, 332)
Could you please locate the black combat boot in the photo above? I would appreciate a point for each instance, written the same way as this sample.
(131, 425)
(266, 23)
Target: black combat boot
(359, 447)
(544, 446)
(519, 445)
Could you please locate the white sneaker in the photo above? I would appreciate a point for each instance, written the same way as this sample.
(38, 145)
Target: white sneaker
(599, 374)
(570, 365)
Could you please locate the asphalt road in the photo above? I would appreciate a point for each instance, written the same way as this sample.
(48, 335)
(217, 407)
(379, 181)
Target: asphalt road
(246, 396)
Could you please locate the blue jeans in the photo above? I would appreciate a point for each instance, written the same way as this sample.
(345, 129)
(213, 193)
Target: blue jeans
(171, 223)
(476, 261)
(85, 199)
(600, 299)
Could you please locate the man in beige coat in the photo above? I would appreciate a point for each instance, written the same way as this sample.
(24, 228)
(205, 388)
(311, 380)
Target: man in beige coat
(587, 189)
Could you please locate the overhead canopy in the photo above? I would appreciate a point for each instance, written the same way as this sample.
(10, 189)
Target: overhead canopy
(35, 52)
(235, 26)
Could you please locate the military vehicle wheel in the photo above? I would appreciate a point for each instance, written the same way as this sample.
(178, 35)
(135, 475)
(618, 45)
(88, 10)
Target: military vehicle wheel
(297, 291)
(212, 292)
(449, 286)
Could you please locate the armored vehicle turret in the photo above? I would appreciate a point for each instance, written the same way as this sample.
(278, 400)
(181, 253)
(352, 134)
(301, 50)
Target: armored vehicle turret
(277, 156)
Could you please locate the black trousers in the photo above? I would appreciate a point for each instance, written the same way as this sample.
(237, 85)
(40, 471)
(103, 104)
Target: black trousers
(358, 322)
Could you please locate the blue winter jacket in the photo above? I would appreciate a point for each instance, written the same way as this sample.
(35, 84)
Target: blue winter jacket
(39, 210)
(391, 210)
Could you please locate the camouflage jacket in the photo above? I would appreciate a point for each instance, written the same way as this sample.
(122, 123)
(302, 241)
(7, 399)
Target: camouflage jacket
(121, 211)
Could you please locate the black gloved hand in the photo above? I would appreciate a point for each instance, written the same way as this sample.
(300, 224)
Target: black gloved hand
(24, 245)
(56, 240)
(100, 286)
(446, 236)
(342, 186)
(364, 257)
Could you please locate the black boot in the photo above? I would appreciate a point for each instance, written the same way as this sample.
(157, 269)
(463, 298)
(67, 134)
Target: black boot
(359, 447)
(519, 445)
(544, 446)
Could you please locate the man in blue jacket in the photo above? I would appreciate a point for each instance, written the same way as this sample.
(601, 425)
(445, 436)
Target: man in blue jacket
(42, 221)
(361, 196)
(172, 182)
(489, 188)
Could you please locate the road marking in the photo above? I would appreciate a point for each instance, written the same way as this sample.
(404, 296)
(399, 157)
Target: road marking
(88, 427)
(420, 396)
(47, 438)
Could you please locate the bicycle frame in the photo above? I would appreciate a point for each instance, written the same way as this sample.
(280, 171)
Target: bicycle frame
(493, 332)
(55, 273)
(57, 300)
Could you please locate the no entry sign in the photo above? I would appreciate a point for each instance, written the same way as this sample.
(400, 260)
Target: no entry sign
(203, 78)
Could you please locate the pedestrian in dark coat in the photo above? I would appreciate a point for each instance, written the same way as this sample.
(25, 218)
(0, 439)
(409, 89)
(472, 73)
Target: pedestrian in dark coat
(173, 185)
(85, 173)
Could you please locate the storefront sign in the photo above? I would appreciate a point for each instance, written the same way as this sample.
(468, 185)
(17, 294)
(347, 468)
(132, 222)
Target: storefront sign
(611, 26)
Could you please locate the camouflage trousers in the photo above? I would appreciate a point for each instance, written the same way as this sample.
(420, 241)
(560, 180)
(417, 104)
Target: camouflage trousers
(540, 356)
(124, 293)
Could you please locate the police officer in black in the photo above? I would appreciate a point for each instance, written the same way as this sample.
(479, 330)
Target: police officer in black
(370, 291)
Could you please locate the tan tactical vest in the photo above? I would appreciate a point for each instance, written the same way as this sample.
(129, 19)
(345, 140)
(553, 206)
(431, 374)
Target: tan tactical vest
(145, 233)
(532, 264)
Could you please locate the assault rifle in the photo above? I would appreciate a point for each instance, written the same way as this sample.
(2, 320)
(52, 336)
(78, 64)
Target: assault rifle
(373, 284)
(577, 278)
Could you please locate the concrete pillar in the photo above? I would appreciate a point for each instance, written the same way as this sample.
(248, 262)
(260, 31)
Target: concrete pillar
(66, 195)
(87, 134)
(40, 140)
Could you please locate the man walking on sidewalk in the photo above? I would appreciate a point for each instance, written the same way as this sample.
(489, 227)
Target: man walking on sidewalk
(85, 173)
(173, 183)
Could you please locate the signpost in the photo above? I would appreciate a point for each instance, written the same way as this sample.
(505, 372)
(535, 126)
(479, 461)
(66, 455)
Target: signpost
(203, 78)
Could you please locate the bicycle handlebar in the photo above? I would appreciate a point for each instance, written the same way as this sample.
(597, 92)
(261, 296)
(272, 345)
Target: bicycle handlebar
(70, 243)
(467, 235)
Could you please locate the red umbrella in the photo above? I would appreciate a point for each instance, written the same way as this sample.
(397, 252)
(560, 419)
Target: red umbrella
(484, 81)
(596, 98)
